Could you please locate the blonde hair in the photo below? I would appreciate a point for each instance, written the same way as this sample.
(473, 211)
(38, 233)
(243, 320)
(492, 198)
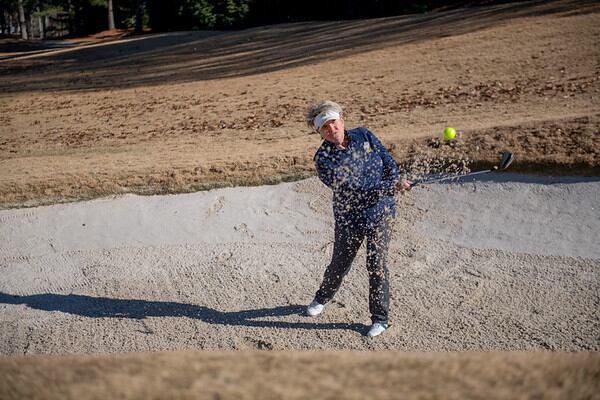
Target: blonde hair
(316, 109)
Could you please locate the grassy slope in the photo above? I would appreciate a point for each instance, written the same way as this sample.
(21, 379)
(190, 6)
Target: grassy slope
(194, 110)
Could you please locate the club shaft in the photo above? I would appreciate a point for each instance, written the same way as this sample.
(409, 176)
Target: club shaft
(453, 177)
(507, 159)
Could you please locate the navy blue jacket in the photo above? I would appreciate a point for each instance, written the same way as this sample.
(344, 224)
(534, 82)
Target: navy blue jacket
(362, 178)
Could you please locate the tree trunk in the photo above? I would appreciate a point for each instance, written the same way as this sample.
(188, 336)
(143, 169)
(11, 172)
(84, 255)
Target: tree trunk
(71, 14)
(111, 16)
(29, 26)
(3, 20)
(22, 21)
(139, 16)
(41, 25)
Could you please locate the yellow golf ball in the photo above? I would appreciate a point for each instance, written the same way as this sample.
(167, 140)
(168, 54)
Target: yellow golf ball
(449, 133)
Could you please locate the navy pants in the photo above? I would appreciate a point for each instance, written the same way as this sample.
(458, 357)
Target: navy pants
(347, 243)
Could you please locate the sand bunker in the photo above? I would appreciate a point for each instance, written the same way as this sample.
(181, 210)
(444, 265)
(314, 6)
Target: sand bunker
(504, 264)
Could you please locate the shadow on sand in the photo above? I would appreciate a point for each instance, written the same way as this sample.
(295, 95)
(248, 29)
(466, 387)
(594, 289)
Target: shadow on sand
(195, 56)
(102, 307)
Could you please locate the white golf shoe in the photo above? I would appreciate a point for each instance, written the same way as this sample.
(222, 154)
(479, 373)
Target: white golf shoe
(377, 329)
(315, 308)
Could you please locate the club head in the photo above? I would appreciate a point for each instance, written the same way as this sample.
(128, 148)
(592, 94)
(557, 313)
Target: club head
(507, 159)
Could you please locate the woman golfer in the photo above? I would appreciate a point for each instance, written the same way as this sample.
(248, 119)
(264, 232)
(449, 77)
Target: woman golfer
(363, 177)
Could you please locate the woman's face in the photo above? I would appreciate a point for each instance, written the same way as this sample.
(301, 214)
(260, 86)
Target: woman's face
(333, 131)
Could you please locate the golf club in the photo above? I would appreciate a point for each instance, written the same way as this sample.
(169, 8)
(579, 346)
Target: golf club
(505, 161)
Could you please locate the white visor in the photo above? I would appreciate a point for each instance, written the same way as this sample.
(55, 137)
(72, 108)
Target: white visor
(324, 117)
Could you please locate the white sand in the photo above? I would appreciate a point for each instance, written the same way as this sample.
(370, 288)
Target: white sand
(505, 264)
(536, 215)
(269, 214)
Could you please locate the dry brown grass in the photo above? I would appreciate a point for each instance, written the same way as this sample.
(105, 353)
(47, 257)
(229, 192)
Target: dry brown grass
(190, 111)
(302, 375)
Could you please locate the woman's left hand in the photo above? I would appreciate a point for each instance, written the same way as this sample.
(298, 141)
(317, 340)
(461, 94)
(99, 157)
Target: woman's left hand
(403, 185)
